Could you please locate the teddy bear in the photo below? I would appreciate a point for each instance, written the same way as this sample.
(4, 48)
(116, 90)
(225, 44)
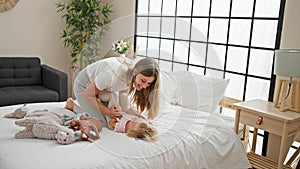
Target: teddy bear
(88, 126)
(44, 125)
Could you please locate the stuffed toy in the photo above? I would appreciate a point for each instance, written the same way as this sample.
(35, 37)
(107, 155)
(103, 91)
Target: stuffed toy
(23, 111)
(19, 113)
(88, 126)
(44, 125)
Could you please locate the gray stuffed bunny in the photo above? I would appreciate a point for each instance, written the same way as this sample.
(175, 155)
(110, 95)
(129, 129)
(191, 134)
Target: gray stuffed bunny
(45, 125)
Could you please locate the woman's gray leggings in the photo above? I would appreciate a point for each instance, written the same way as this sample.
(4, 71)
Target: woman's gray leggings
(80, 83)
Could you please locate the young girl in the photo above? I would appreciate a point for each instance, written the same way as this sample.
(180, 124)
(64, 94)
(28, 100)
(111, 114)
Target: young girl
(133, 124)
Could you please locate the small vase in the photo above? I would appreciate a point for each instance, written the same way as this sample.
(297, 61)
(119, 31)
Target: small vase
(122, 55)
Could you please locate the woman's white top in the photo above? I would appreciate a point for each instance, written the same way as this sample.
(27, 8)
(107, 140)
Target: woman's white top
(109, 73)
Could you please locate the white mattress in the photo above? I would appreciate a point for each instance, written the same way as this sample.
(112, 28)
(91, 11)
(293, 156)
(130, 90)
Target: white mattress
(188, 139)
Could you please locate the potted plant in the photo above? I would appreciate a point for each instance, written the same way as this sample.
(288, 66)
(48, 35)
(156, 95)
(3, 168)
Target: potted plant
(121, 47)
(86, 24)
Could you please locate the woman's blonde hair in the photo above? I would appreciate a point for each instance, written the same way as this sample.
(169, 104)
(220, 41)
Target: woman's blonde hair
(145, 132)
(147, 99)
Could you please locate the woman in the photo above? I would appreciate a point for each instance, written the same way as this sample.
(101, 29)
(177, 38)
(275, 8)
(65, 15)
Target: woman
(116, 74)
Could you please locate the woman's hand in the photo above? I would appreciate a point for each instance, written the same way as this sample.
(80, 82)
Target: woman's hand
(114, 112)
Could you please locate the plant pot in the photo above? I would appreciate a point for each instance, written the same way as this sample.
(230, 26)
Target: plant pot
(123, 55)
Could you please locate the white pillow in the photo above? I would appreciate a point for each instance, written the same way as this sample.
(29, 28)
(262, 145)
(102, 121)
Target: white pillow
(199, 92)
(168, 87)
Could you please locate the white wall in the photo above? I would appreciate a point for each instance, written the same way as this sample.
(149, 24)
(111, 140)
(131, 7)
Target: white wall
(122, 24)
(33, 27)
(291, 26)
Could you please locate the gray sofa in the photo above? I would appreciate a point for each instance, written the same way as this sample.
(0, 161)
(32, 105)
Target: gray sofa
(25, 80)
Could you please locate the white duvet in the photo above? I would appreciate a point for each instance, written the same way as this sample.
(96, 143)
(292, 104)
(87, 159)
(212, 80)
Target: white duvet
(188, 139)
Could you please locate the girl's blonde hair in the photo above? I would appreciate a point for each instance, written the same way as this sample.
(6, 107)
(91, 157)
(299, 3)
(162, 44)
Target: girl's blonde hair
(147, 99)
(145, 132)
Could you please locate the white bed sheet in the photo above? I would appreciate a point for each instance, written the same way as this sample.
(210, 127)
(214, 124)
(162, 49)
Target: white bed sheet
(188, 139)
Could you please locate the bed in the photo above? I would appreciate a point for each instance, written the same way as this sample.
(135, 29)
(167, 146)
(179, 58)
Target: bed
(189, 138)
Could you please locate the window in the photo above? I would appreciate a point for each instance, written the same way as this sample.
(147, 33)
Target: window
(232, 39)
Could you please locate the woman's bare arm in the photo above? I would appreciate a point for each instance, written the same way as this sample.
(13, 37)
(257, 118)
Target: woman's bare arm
(90, 94)
(124, 101)
(133, 111)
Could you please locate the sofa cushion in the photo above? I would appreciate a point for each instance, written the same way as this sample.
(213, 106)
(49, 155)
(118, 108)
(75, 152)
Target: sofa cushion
(26, 94)
(20, 71)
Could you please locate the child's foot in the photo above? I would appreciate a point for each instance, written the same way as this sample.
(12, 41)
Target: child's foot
(70, 104)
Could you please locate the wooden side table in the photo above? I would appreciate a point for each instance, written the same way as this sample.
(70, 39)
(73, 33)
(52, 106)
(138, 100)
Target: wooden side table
(263, 115)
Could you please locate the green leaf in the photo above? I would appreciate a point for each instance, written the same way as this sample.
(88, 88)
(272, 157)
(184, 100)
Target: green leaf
(60, 6)
(84, 19)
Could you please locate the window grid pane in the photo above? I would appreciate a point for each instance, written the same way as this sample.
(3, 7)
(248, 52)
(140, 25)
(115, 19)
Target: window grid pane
(223, 36)
(218, 38)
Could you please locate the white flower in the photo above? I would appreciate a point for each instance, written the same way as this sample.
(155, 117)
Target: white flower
(121, 46)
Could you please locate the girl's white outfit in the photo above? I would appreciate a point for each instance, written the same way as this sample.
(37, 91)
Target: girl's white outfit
(107, 74)
(121, 123)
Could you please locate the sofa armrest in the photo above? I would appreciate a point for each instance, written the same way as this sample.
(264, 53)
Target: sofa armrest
(55, 80)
